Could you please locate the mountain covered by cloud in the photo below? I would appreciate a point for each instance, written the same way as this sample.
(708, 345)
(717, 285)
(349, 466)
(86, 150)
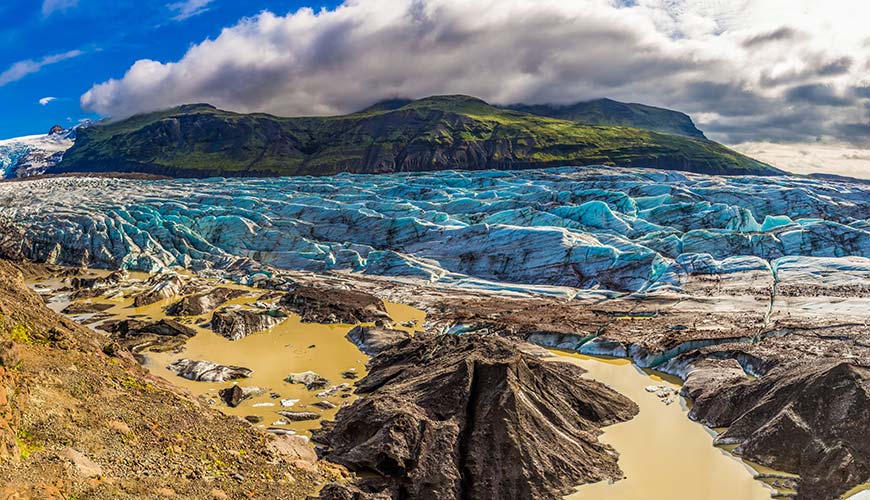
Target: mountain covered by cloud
(762, 70)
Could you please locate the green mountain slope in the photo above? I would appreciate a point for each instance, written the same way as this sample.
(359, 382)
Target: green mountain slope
(436, 133)
(610, 112)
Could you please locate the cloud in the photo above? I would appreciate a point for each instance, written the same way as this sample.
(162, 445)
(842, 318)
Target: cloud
(819, 94)
(45, 100)
(839, 158)
(29, 66)
(49, 7)
(768, 70)
(188, 8)
(783, 33)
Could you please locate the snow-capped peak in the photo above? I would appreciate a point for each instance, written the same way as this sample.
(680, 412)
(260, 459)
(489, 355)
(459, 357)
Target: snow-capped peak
(34, 154)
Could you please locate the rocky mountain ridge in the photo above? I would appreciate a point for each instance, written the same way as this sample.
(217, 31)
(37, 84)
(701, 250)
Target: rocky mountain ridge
(435, 133)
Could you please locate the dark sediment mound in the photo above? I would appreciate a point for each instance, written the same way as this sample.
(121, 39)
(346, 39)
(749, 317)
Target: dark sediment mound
(157, 336)
(333, 305)
(372, 339)
(238, 324)
(813, 421)
(91, 282)
(162, 288)
(472, 417)
(203, 303)
(86, 308)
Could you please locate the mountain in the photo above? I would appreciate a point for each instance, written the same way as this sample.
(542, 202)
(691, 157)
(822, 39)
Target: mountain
(34, 154)
(435, 133)
(610, 112)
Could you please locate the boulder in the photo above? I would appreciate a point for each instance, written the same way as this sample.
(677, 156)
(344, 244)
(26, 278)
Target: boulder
(239, 323)
(456, 417)
(309, 379)
(298, 416)
(81, 463)
(233, 396)
(206, 371)
(9, 354)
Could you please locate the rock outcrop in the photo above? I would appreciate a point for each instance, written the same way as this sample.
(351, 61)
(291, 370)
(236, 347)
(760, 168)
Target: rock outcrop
(334, 305)
(237, 324)
(471, 417)
(810, 420)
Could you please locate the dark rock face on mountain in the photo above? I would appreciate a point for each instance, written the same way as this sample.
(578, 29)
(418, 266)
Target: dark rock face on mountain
(610, 112)
(319, 305)
(811, 420)
(436, 133)
(471, 417)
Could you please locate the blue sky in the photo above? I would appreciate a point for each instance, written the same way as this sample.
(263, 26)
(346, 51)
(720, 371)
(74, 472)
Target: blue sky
(60, 48)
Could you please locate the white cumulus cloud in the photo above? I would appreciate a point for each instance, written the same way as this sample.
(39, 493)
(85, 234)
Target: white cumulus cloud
(45, 100)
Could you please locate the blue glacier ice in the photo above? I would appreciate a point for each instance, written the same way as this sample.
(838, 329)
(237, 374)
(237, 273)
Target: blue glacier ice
(590, 228)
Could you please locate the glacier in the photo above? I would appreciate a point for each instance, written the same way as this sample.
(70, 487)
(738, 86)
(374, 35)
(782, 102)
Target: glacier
(34, 154)
(589, 228)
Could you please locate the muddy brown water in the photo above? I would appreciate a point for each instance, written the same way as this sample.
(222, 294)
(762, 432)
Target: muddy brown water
(662, 453)
(289, 347)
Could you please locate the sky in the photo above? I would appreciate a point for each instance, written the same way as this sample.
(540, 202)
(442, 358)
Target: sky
(787, 81)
